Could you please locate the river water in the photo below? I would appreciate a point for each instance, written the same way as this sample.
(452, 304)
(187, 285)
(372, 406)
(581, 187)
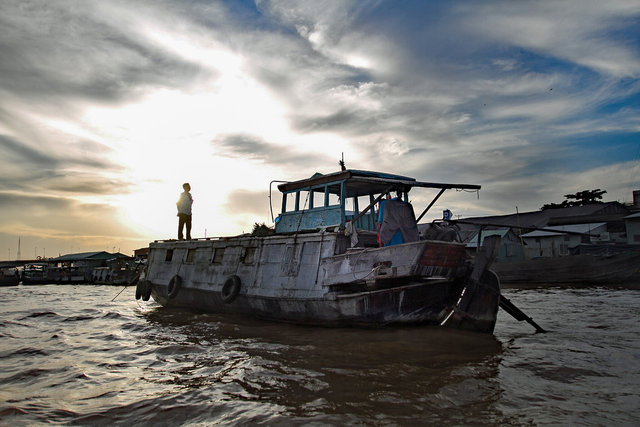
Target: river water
(71, 355)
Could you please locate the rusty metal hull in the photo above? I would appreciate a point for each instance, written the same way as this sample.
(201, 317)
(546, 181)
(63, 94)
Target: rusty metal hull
(301, 279)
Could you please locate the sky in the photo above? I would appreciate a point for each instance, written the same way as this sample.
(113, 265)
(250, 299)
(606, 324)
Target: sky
(107, 107)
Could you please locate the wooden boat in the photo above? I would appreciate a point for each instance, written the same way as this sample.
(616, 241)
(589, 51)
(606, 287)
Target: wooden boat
(615, 268)
(113, 276)
(35, 274)
(9, 277)
(324, 265)
(67, 275)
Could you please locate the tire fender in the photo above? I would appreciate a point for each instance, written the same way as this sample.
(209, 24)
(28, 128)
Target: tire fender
(140, 288)
(174, 286)
(147, 286)
(230, 289)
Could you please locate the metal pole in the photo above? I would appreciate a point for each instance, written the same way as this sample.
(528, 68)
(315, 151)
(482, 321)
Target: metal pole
(430, 204)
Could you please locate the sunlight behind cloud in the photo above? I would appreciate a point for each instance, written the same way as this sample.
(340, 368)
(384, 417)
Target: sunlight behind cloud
(106, 108)
(165, 139)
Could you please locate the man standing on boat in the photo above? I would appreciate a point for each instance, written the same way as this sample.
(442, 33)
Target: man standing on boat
(184, 211)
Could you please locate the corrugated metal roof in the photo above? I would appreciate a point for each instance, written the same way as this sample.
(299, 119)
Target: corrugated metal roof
(573, 228)
(100, 255)
(544, 217)
(473, 242)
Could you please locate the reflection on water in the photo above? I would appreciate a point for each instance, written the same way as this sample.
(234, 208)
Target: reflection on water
(71, 355)
(321, 372)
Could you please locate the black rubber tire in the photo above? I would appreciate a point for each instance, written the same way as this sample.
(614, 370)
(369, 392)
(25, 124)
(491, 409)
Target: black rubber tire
(146, 289)
(139, 288)
(230, 289)
(174, 286)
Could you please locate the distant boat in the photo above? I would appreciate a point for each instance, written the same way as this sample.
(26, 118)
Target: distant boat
(324, 265)
(35, 274)
(67, 275)
(580, 268)
(9, 277)
(119, 276)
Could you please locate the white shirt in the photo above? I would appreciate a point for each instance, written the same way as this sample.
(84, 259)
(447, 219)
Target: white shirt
(184, 203)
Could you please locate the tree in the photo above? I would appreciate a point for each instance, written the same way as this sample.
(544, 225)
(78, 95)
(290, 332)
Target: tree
(261, 230)
(585, 197)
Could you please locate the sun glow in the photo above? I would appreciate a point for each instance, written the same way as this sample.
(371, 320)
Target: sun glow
(167, 138)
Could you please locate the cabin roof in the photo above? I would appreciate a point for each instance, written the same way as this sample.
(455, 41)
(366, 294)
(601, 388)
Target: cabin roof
(360, 183)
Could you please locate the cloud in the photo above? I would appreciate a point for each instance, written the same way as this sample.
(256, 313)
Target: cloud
(100, 98)
(13, 151)
(254, 148)
(249, 202)
(578, 32)
(79, 184)
(34, 169)
(81, 51)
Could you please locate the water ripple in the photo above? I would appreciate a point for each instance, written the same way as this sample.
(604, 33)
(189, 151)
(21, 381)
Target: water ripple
(94, 361)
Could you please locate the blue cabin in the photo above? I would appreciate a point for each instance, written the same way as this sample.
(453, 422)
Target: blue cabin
(351, 195)
(333, 199)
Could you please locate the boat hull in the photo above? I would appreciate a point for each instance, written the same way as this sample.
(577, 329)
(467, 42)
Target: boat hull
(9, 281)
(413, 304)
(570, 269)
(302, 280)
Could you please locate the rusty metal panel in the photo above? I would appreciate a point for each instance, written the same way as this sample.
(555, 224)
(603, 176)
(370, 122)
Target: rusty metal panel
(441, 254)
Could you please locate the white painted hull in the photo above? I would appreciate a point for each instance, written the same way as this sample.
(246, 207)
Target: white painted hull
(300, 279)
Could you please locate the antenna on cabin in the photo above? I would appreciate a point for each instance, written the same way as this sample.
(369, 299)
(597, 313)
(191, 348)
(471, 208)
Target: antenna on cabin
(18, 256)
(341, 163)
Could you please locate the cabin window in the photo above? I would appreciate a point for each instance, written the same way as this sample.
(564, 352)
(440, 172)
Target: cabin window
(334, 200)
(191, 254)
(218, 254)
(169, 256)
(305, 201)
(364, 201)
(317, 200)
(288, 202)
(350, 207)
(249, 255)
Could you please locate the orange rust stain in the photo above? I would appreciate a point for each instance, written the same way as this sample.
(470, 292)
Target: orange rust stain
(443, 255)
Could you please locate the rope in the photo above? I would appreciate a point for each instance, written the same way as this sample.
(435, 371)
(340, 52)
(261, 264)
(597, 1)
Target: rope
(374, 269)
(114, 298)
(137, 276)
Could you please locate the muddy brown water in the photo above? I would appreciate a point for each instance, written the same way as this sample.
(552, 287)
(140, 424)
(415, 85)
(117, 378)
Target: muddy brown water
(70, 355)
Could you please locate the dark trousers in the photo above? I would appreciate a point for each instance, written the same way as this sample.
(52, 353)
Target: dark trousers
(184, 220)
